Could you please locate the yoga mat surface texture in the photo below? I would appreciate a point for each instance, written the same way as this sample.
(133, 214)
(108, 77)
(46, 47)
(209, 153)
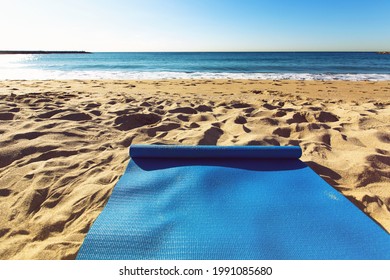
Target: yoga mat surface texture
(203, 202)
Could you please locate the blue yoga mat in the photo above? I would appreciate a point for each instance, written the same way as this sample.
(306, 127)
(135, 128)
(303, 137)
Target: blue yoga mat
(209, 202)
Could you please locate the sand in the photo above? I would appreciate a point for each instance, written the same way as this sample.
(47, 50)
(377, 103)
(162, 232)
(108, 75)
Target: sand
(64, 144)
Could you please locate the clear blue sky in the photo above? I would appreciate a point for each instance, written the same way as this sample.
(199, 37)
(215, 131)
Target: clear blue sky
(195, 25)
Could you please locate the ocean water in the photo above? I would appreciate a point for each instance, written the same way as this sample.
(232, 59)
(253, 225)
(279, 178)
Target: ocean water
(204, 65)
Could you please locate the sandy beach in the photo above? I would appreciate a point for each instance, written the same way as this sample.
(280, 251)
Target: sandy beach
(64, 144)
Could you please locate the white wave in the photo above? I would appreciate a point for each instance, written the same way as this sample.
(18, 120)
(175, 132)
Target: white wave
(10, 73)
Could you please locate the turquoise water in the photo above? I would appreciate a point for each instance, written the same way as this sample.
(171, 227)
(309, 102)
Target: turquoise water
(242, 65)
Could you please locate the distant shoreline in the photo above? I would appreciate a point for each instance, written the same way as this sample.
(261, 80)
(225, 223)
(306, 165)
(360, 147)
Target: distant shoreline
(44, 52)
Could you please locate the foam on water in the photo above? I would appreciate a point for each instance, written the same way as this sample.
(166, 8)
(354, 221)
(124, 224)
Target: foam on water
(36, 74)
(152, 66)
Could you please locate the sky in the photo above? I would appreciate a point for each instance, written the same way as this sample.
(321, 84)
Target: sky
(195, 25)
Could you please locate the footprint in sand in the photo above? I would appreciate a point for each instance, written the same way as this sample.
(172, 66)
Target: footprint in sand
(5, 192)
(90, 106)
(76, 117)
(240, 105)
(267, 121)
(270, 107)
(297, 118)
(145, 104)
(280, 113)
(211, 136)
(203, 108)
(194, 125)
(326, 117)
(282, 132)
(28, 135)
(128, 122)
(6, 116)
(240, 120)
(184, 110)
(267, 141)
(14, 110)
(96, 112)
(183, 118)
(52, 113)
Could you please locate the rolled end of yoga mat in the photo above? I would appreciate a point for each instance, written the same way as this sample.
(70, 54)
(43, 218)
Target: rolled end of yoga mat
(169, 151)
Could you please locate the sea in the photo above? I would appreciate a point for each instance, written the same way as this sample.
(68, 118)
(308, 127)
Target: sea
(353, 66)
